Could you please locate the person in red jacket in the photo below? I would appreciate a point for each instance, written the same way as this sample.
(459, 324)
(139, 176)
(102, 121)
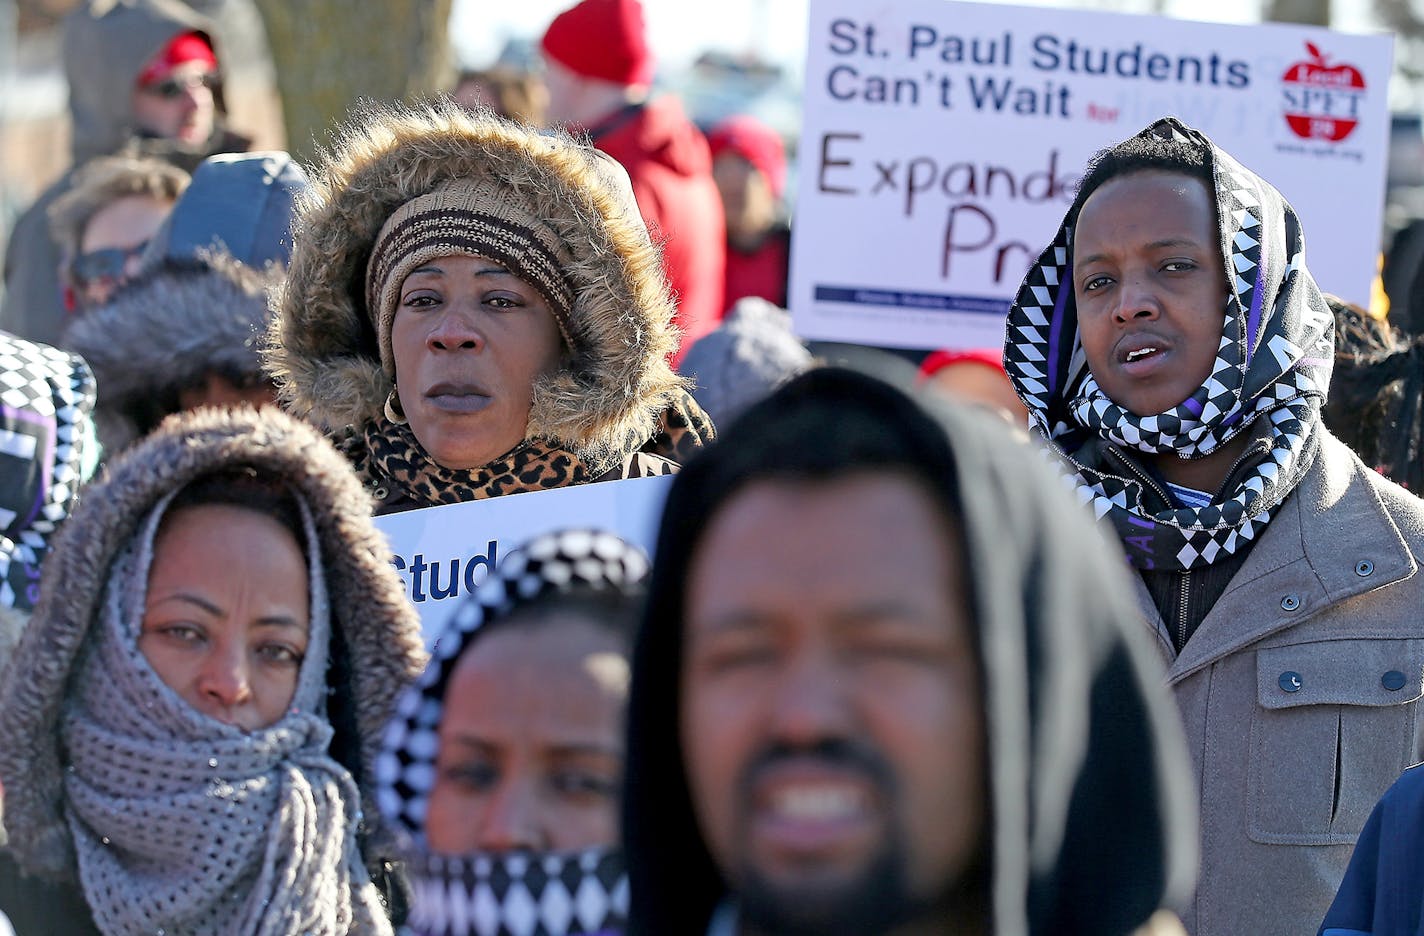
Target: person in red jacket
(599, 74)
(749, 166)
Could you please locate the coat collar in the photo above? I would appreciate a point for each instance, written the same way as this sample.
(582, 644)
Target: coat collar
(1331, 540)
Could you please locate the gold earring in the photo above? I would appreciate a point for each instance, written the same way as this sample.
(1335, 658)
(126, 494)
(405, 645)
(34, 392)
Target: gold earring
(393, 408)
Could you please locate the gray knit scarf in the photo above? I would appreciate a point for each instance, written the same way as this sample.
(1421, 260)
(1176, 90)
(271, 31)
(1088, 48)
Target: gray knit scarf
(182, 824)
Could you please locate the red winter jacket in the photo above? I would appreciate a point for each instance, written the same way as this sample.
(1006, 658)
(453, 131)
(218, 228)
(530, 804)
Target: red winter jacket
(671, 169)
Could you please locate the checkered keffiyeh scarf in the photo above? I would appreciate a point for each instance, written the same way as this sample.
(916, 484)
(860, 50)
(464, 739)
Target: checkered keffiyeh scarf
(1273, 362)
(517, 893)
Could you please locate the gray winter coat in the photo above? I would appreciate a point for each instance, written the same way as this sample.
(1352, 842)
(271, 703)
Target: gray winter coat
(1300, 693)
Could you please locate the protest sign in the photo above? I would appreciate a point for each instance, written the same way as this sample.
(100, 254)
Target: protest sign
(943, 141)
(443, 553)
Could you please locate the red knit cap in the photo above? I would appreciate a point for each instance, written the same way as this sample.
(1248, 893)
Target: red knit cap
(755, 142)
(603, 39)
(180, 50)
(939, 360)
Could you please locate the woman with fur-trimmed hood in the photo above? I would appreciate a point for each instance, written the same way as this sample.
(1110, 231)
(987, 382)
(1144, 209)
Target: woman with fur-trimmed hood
(189, 725)
(475, 308)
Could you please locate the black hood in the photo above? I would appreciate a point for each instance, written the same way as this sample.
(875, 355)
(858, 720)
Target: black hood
(1093, 811)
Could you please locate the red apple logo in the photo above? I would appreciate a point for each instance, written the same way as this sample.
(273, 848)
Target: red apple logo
(1322, 101)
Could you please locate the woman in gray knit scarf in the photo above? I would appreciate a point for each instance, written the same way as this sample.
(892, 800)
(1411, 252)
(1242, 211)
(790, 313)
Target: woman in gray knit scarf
(188, 726)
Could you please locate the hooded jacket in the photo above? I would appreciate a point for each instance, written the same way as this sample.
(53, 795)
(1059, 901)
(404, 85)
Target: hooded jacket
(240, 204)
(614, 396)
(671, 168)
(106, 44)
(376, 648)
(1092, 811)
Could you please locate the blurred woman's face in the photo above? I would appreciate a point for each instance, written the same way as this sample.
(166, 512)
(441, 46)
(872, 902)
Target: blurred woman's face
(227, 616)
(469, 340)
(531, 741)
(747, 199)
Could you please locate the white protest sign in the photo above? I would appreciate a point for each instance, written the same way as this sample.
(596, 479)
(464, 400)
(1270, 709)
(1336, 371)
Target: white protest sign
(943, 141)
(443, 553)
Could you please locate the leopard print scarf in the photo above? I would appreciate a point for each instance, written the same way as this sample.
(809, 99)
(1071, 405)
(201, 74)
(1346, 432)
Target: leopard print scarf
(403, 476)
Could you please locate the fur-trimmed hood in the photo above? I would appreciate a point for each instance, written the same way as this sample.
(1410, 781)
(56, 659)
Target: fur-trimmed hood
(322, 346)
(174, 325)
(376, 643)
(168, 330)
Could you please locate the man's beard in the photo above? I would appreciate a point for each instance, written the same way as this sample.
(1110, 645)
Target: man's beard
(874, 901)
(877, 899)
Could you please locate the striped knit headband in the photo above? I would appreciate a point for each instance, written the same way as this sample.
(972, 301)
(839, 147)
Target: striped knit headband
(471, 218)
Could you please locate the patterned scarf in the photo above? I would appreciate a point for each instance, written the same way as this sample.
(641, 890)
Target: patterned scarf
(388, 456)
(1273, 362)
(518, 893)
(182, 824)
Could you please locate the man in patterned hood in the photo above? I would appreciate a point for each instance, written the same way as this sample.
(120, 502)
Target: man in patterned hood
(1174, 351)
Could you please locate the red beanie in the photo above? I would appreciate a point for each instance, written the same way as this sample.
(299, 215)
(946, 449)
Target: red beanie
(603, 39)
(180, 50)
(755, 142)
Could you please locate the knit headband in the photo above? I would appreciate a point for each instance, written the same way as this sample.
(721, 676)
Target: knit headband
(553, 563)
(466, 218)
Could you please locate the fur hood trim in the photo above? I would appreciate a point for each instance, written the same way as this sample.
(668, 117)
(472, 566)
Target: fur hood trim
(322, 347)
(176, 324)
(376, 648)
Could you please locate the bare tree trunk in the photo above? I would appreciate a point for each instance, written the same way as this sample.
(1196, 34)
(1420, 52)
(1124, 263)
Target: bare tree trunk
(330, 53)
(1311, 12)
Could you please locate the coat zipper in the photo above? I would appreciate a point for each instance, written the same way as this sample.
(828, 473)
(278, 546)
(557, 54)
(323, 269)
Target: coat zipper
(1185, 592)
(1186, 575)
(1182, 612)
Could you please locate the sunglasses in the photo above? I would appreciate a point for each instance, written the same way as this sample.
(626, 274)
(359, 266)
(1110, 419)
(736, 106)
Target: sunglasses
(105, 264)
(171, 88)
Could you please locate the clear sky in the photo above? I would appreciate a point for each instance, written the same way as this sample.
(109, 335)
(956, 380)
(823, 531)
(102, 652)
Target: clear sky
(680, 29)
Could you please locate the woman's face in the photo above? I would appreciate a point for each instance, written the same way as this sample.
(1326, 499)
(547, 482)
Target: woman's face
(531, 741)
(227, 617)
(747, 199)
(469, 339)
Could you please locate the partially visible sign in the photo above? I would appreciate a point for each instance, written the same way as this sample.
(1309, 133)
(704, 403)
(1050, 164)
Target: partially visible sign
(444, 553)
(943, 142)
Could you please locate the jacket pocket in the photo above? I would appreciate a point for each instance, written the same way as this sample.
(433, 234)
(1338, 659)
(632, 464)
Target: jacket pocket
(1333, 728)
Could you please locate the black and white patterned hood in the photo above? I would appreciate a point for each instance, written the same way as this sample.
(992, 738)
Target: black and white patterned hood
(1272, 370)
(517, 893)
(47, 450)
